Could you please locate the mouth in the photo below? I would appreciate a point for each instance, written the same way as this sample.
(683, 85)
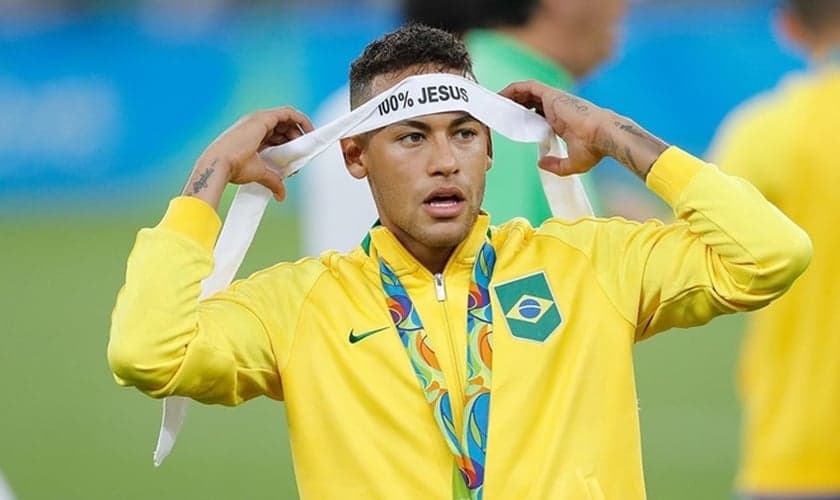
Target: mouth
(445, 202)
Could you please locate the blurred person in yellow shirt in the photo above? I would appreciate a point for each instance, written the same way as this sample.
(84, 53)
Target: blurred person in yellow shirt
(787, 142)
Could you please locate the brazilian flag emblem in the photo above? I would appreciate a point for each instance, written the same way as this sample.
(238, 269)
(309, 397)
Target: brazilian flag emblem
(529, 307)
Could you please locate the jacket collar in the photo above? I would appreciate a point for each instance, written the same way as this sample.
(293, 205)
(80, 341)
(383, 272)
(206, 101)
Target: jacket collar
(381, 242)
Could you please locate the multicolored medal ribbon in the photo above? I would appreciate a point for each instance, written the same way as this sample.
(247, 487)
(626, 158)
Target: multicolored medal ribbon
(470, 449)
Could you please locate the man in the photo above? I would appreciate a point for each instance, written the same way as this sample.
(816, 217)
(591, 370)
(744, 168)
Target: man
(786, 143)
(443, 310)
(557, 42)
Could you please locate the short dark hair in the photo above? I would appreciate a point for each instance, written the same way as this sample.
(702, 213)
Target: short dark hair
(463, 15)
(410, 45)
(816, 15)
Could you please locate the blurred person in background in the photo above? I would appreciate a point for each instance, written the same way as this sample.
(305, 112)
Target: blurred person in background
(787, 142)
(557, 42)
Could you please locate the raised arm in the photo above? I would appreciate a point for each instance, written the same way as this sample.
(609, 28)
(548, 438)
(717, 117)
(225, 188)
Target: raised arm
(729, 250)
(234, 156)
(232, 346)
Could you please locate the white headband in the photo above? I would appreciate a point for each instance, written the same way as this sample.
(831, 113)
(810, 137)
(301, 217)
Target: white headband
(412, 97)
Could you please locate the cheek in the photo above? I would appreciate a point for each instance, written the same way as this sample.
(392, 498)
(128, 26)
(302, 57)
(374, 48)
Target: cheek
(390, 181)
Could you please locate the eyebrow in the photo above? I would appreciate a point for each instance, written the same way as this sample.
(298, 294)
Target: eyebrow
(465, 117)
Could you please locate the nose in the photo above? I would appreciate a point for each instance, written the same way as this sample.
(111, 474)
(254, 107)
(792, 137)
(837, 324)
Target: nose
(443, 160)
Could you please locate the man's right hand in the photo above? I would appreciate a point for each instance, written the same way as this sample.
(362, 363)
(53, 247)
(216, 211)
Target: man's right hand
(234, 155)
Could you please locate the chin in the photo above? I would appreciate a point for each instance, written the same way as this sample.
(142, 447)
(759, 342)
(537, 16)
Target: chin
(446, 234)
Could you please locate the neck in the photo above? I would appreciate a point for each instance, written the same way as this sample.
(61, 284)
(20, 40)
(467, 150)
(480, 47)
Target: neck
(827, 49)
(433, 259)
(560, 46)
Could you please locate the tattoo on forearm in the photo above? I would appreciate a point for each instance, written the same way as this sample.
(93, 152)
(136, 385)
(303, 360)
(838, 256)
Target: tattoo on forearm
(609, 147)
(195, 186)
(630, 162)
(641, 134)
(650, 144)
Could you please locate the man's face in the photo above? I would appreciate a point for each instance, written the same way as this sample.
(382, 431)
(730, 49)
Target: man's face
(602, 20)
(595, 26)
(426, 174)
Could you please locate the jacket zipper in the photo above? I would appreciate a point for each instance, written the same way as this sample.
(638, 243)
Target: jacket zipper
(456, 394)
(440, 290)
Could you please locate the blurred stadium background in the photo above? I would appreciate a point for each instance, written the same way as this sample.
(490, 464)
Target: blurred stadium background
(103, 107)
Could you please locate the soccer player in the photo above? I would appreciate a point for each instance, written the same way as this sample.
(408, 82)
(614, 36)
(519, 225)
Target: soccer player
(786, 143)
(446, 357)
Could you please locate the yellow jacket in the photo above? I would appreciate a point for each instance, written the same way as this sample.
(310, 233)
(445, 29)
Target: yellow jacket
(563, 419)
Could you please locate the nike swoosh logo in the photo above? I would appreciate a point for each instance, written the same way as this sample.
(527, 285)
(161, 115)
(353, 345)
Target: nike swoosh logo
(355, 338)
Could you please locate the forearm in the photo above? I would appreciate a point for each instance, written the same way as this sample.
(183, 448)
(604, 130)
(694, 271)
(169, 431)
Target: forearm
(208, 180)
(632, 146)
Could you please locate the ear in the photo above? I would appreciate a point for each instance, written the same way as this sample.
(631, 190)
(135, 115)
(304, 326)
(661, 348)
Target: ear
(489, 148)
(790, 28)
(353, 149)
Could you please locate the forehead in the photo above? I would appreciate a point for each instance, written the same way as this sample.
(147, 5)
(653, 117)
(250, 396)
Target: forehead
(383, 82)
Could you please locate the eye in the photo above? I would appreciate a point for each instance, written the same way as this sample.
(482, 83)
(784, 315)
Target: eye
(411, 139)
(466, 133)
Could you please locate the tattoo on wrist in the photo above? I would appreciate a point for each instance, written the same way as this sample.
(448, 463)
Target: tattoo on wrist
(610, 148)
(197, 185)
(650, 144)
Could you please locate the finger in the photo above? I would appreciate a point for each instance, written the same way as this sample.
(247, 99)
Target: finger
(292, 133)
(282, 137)
(270, 141)
(272, 180)
(525, 94)
(288, 117)
(517, 88)
(556, 165)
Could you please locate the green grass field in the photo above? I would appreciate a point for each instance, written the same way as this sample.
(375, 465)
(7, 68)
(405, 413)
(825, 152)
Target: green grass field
(69, 432)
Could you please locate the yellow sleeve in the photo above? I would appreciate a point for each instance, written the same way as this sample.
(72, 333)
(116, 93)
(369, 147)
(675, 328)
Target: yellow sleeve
(728, 250)
(226, 349)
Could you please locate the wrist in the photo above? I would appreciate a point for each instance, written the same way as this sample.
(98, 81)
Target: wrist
(606, 141)
(218, 163)
(209, 178)
(634, 147)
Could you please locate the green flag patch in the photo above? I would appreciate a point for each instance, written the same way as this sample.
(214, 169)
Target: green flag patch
(529, 307)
